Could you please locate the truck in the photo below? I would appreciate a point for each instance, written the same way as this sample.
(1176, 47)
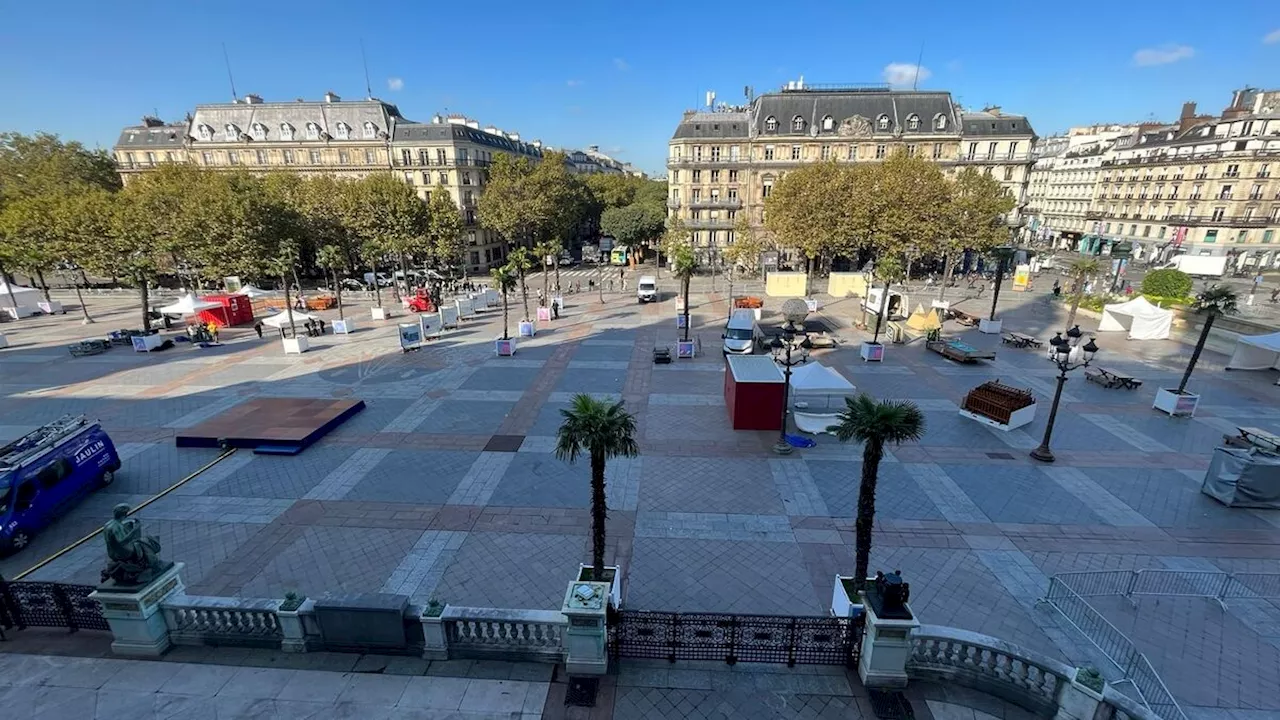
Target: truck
(1198, 265)
(647, 289)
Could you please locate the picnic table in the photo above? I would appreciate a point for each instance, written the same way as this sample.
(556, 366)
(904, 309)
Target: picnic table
(1019, 340)
(1111, 379)
(1259, 438)
(963, 317)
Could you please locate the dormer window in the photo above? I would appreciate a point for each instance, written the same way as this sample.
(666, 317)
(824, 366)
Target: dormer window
(206, 132)
(771, 124)
(797, 124)
(882, 122)
(344, 131)
(828, 123)
(286, 131)
(258, 131)
(913, 122)
(313, 131)
(232, 132)
(370, 131)
(940, 122)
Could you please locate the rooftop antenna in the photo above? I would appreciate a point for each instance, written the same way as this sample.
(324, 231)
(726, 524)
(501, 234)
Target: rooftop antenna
(915, 84)
(368, 87)
(227, 61)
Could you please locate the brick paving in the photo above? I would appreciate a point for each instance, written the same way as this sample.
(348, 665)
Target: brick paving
(413, 495)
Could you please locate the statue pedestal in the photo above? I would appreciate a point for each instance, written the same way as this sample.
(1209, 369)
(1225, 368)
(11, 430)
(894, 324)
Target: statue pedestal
(886, 647)
(585, 605)
(133, 612)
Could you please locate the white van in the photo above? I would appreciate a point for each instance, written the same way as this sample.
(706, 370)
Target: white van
(741, 334)
(647, 289)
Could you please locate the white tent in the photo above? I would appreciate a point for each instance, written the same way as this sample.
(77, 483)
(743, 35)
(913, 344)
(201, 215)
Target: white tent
(1258, 352)
(24, 296)
(820, 388)
(1143, 320)
(251, 292)
(281, 320)
(188, 305)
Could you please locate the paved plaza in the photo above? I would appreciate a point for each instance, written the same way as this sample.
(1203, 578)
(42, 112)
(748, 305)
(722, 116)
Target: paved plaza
(414, 495)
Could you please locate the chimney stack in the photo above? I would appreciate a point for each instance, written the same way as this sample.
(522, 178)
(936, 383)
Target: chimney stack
(332, 97)
(1188, 116)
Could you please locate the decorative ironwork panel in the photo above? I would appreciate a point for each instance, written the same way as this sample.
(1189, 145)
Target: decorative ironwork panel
(47, 604)
(735, 638)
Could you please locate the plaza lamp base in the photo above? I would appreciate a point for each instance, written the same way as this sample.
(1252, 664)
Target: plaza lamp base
(782, 447)
(1043, 454)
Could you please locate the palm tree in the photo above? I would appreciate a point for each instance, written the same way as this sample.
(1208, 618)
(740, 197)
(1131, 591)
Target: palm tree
(1214, 301)
(874, 423)
(504, 281)
(603, 430)
(683, 263)
(1079, 269)
(330, 257)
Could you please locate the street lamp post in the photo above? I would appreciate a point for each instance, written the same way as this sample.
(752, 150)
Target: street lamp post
(795, 311)
(1062, 351)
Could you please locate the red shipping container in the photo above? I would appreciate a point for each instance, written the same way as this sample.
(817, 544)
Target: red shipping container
(235, 310)
(753, 389)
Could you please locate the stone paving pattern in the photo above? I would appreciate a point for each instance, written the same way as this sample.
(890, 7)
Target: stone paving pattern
(406, 498)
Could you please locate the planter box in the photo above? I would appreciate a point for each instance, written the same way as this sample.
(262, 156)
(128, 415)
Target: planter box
(380, 313)
(872, 352)
(686, 349)
(505, 348)
(989, 327)
(842, 604)
(1077, 702)
(1176, 405)
(1017, 418)
(3, 342)
(343, 327)
(612, 575)
(294, 632)
(296, 345)
(811, 303)
(146, 343)
(527, 328)
(544, 314)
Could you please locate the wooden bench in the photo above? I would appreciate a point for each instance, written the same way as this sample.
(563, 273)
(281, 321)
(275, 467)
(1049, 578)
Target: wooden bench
(1111, 379)
(1259, 438)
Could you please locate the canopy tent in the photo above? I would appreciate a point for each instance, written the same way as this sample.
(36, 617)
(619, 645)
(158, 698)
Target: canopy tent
(1257, 352)
(922, 320)
(23, 296)
(1143, 320)
(281, 320)
(821, 389)
(188, 304)
(251, 292)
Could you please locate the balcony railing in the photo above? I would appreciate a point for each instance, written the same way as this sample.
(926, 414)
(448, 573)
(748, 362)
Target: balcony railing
(1166, 159)
(706, 160)
(716, 202)
(440, 163)
(673, 203)
(709, 224)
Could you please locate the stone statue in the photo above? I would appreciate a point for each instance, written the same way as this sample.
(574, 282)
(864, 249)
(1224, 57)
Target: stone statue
(854, 126)
(132, 558)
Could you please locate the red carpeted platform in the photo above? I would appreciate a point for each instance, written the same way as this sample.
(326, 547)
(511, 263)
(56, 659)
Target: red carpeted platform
(271, 425)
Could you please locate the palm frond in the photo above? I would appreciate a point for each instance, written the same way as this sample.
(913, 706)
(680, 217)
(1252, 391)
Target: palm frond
(596, 427)
(1219, 299)
(888, 421)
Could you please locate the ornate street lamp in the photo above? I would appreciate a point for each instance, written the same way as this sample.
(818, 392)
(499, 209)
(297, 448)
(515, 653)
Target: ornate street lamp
(789, 350)
(1062, 349)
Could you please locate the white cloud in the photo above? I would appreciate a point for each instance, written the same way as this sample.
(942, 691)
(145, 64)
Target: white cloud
(1162, 55)
(395, 84)
(1272, 37)
(902, 75)
(621, 64)
(573, 83)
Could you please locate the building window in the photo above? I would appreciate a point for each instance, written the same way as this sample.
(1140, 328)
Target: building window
(288, 157)
(1146, 231)
(444, 178)
(797, 124)
(258, 131)
(232, 133)
(937, 151)
(1013, 150)
(368, 157)
(697, 153)
(151, 158)
(286, 131)
(795, 152)
(1242, 236)
(771, 124)
(426, 178)
(313, 131)
(733, 176)
(1232, 171)
(882, 122)
(768, 152)
(1163, 228)
(233, 158)
(1225, 193)
(205, 132)
(697, 176)
(1267, 235)
(370, 131)
(466, 178)
(733, 194)
(715, 176)
(475, 257)
(344, 131)
(441, 157)
(853, 153)
(406, 157)
(734, 153)
(715, 153)
(260, 156)
(206, 157)
(344, 157)
(973, 151)
(828, 123)
(696, 195)
(826, 152)
(1219, 213)
(1210, 236)
(314, 155)
(911, 150)
(1008, 173)
(991, 150)
(880, 152)
(913, 122)
(940, 122)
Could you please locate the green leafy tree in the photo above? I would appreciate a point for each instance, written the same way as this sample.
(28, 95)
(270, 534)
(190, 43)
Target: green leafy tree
(683, 264)
(330, 258)
(808, 209)
(975, 206)
(1169, 282)
(601, 430)
(1079, 270)
(82, 221)
(510, 205)
(131, 248)
(633, 226)
(43, 163)
(504, 281)
(29, 233)
(444, 230)
(874, 424)
(1214, 301)
(385, 217)
(888, 269)
(911, 205)
(749, 243)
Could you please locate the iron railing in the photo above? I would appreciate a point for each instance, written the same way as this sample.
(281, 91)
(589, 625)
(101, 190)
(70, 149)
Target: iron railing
(736, 638)
(49, 604)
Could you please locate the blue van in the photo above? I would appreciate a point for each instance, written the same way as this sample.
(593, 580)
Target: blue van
(46, 472)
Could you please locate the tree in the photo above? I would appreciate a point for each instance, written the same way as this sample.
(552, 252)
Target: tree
(42, 163)
(444, 230)
(601, 430)
(385, 216)
(504, 281)
(749, 243)
(1214, 301)
(683, 264)
(330, 257)
(280, 264)
(975, 206)
(82, 221)
(1169, 282)
(889, 270)
(909, 206)
(633, 226)
(874, 423)
(520, 261)
(508, 205)
(1078, 269)
(808, 209)
(130, 249)
(546, 251)
(29, 230)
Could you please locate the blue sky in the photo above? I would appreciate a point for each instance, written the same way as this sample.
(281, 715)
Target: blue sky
(618, 75)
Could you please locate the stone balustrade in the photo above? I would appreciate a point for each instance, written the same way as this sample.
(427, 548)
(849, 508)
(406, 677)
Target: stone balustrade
(526, 635)
(1023, 677)
(242, 622)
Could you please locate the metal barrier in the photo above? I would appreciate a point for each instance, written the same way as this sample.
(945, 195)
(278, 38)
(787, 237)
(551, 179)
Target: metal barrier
(1134, 667)
(1218, 586)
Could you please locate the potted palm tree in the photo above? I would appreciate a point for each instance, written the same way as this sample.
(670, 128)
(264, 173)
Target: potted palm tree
(504, 281)
(873, 423)
(520, 261)
(601, 430)
(683, 263)
(1214, 301)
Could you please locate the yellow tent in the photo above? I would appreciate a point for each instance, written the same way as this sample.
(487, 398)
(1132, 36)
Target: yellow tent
(924, 321)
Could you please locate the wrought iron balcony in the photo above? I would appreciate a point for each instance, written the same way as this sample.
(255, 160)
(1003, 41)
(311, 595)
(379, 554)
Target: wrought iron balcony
(732, 203)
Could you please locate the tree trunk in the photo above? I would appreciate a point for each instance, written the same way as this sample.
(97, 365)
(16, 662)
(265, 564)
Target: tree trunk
(685, 281)
(404, 272)
(377, 289)
(599, 516)
(288, 305)
(1075, 302)
(872, 452)
(558, 290)
(84, 309)
(506, 324)
(337, 291)
(884, 304)
(1195, 354)
(947, 269)
(546, 283)
(301, 295)
(44, 286)
(524, 295)
(8, 285)
(146, 319)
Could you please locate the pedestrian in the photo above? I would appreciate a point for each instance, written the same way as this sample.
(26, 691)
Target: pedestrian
(310, 328)
(257, 327)
(321, 321)
(540, 303)
(213, 331)
(610, 284)
(1057, 288)
(1275, 295)
(621, 273)
(1257, 280)
(555, 311)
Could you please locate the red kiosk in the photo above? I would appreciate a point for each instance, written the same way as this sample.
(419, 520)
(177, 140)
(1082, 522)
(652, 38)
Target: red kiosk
(235, 310)
(753, 390)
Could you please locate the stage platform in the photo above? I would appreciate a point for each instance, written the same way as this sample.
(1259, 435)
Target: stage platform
(278, 426)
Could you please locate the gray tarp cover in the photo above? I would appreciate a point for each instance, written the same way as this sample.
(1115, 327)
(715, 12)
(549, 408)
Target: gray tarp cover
(1238, 477)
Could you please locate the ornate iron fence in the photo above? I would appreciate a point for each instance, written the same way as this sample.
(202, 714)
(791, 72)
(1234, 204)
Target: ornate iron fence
(49, 604)
(736, 638)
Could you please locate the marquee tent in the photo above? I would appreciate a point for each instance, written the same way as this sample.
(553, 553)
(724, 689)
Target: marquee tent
(24, 296)
(251, 292)
(1143, 320)
(818, 393)
(188, 304)
(281, 320)
(1257, 352)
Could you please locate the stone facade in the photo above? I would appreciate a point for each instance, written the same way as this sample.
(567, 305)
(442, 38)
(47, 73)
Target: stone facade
(725, 162)
(1060, 192)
